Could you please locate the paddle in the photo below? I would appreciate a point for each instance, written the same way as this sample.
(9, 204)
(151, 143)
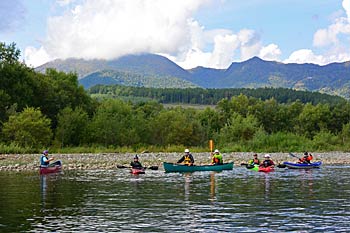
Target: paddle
(291, 154)
(151, 167)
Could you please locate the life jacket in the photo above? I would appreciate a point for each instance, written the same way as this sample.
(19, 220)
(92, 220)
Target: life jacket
(267, 163)
(306, 159)
(217, 159)
(136, 164)
(254, 161)
(187, 159)
(42, 162)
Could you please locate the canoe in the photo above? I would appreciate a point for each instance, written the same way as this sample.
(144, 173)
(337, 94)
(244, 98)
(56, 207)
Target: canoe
(303, 165)
(52, 168)
(173, 167)
(137, 171)
(266, 169)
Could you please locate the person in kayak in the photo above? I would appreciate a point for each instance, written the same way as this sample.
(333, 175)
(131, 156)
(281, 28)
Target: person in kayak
(255, 160)
(45, 160)
(306, 159)
(217, 158)
(136, 163)
(187, 158)
(267, 162)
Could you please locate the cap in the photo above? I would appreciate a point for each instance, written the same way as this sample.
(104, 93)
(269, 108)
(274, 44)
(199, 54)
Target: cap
(187, 151)
(267, 156)
(136, 157)
(216, 151)
(45, 152)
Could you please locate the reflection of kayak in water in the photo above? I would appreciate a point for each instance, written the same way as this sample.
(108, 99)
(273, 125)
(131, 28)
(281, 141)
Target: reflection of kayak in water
(52, 168)
(136, 171)
(266, 169)
(252, 167)
(303, 165)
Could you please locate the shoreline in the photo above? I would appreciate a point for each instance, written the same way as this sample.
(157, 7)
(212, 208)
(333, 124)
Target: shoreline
(107, 161)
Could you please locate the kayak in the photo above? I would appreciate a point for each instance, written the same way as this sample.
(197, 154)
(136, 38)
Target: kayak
(266, 169)
(174, 167)
(137, 171)
(52, 168)
(303, 165)
(254, 167)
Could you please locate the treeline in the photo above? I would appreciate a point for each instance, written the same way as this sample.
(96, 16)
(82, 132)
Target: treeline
(213, 96)
(52, 111)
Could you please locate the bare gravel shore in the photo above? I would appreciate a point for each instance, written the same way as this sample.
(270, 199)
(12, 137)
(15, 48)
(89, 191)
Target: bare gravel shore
(20, 162)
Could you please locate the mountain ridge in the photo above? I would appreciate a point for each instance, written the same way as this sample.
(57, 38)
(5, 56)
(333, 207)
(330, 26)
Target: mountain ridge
(333, 78)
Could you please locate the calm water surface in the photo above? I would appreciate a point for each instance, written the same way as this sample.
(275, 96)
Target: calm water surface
(240, 200)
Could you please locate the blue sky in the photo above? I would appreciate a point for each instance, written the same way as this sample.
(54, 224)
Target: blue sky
(210, 33)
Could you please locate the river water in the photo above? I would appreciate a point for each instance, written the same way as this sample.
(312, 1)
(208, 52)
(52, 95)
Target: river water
(240, 200)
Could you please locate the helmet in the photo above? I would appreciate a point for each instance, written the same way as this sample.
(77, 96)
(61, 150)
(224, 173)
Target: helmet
(267, 156)
(45, 152)
(136, 157)
(306, 153)
(216, 151)
(187, 151)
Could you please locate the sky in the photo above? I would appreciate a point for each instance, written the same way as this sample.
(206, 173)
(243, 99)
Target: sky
(191, 33)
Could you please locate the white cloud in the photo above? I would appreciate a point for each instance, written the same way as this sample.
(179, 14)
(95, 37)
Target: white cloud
(305, 56)
(35, 57)
(270, 52)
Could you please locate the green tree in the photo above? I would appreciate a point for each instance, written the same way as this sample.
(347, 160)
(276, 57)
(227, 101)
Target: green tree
(113, 124)
(177, 127)
(72, 127)
(239, 128)
(28, 129)
(313, 119)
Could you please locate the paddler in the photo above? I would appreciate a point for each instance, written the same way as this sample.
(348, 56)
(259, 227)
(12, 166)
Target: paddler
(255, 160)
(187, 158)
(136, 163)
(267, 162)
(306, 159)
(45, 160)
(217, 158)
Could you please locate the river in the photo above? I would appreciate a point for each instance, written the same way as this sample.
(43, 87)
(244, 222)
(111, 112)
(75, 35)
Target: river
(240, 200)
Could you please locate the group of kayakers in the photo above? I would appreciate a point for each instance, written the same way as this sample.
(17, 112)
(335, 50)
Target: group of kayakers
(269, 163)
(187, 159)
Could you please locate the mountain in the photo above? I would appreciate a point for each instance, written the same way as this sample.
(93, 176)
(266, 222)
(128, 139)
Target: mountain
(152, 70)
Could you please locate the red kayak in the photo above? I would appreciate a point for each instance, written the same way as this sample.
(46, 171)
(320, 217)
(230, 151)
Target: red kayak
(137, 171)
(266, 169)
(55, 167)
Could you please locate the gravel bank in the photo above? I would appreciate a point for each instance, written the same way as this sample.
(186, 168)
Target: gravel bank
(20, 162)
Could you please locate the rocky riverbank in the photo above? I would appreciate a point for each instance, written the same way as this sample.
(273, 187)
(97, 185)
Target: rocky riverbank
(20, 162)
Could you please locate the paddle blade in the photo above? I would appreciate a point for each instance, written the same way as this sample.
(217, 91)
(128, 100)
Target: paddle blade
(153, 167)
(121, 166)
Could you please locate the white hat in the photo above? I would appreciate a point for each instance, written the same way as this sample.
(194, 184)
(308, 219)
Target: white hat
(267, 156)
(216, 151)
(187, 151)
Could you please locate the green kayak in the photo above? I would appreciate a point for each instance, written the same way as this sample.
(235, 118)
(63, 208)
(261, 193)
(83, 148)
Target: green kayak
(174, 167)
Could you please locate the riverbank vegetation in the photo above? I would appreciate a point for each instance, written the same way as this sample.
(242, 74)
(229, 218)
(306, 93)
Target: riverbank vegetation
(53, 111)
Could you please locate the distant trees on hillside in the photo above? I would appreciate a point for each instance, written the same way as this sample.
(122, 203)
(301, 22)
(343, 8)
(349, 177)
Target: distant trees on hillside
(213, 96)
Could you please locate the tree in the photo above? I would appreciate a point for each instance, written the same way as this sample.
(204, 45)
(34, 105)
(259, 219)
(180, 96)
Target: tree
(72, 126)
(9, 53)
(28, 129)
(239, 128)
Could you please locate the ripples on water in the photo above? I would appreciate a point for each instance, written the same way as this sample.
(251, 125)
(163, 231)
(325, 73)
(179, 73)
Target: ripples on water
(240, 200)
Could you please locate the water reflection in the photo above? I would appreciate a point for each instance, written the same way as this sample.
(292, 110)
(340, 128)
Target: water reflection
(212, 187)
(232, 201)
